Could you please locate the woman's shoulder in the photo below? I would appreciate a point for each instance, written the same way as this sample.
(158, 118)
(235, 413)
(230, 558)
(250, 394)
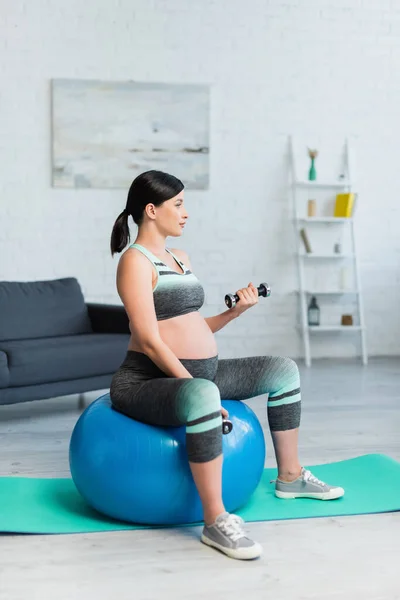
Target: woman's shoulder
(133, 257)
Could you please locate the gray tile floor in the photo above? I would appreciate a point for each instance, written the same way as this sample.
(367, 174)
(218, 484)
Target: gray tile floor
(348, 410)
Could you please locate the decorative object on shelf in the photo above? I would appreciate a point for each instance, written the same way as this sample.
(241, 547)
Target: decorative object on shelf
(344, 205)
(347, 320)
(337, 248)
(312, 208)
(312, 174)
(313, 312)
(306, 241)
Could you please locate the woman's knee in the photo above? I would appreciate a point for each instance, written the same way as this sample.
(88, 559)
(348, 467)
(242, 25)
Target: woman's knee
(289, 368)
(285, 380)
(198, 398)
(284, 402)
(201, 405)
(278, 372)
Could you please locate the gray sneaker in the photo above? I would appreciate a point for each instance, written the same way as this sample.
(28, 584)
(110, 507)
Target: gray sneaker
(227, 534)
(307, 486)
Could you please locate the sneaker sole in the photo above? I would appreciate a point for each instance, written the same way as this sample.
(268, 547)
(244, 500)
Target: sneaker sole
(243, 554)
(332, 495)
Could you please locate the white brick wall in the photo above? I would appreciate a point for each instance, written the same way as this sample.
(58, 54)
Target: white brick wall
(320, 70)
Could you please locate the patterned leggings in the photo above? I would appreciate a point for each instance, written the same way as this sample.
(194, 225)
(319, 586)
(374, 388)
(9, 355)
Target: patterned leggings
(140, 390)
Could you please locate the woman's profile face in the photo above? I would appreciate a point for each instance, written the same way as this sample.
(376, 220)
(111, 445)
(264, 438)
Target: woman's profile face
(171, 216)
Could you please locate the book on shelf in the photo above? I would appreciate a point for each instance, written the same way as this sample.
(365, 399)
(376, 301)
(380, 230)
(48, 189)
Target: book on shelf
(306, 241)
(344, 205)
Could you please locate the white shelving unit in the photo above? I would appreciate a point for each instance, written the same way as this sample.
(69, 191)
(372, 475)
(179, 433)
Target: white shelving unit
(304, 292)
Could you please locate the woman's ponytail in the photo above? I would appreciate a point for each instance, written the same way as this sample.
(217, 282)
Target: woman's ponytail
(120, 235)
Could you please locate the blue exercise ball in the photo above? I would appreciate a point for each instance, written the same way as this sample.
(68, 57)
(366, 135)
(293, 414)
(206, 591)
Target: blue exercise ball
(140, 473)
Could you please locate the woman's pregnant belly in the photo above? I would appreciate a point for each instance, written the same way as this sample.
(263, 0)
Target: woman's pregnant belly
(188, 336)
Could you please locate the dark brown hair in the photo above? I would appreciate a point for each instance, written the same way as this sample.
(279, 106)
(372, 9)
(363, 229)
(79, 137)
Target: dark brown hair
(150, 187)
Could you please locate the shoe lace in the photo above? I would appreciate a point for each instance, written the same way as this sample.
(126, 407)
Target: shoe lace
(308, 476)
(232, 526)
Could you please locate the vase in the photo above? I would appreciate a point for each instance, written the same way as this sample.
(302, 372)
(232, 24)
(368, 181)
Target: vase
(312, 175)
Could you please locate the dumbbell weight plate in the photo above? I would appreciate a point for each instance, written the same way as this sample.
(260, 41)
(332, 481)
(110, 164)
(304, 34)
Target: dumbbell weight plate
(226, 426)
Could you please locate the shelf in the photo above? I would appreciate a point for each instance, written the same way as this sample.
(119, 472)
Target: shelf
(327, 256)
(322, 183)
(328, 328)
(331, 292)
(325, 219)
(323, 256)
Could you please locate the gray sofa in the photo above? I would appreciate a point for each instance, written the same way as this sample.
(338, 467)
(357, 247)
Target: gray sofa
(53, 343)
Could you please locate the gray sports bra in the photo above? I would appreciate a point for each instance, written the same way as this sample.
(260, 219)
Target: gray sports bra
(174, 294)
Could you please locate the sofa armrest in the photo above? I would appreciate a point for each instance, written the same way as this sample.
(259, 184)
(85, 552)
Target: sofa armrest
(108, 318)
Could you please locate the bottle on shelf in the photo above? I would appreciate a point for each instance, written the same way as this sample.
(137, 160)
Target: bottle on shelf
(337, 248)
(313, 312)
(311, 208)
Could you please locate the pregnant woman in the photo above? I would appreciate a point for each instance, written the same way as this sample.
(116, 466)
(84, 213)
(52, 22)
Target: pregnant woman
(172, 375)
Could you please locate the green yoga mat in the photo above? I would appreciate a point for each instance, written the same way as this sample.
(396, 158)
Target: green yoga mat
(371, 483)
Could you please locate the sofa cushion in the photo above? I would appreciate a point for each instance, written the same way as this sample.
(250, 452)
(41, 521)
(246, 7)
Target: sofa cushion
(64, 358)
(38, 309)
(4, 372)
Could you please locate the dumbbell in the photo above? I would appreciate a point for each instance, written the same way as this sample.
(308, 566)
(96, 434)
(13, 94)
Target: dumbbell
(263, 290)
(226, 426)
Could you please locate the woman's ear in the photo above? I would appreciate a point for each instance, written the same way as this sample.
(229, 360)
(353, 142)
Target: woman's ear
(150, 211)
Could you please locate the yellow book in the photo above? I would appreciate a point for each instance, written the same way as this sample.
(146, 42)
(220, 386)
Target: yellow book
(344, 205)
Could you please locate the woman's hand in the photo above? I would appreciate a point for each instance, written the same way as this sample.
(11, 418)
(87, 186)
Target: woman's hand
(224, 413)
(248, 297)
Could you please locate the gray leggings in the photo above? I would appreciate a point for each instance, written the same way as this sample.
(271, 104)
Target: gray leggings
(140, 390)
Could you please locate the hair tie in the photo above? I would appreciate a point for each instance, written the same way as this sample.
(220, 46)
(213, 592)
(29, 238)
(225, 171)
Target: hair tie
(125, 212)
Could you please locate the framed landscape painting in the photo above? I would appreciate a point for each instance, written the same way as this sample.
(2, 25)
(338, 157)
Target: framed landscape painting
(105, 133)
